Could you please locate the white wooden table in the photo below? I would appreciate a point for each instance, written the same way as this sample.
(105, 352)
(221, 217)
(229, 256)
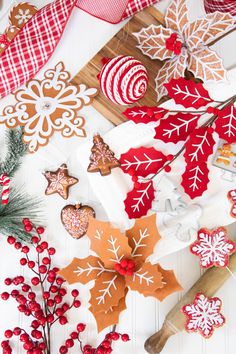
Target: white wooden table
(83, 37)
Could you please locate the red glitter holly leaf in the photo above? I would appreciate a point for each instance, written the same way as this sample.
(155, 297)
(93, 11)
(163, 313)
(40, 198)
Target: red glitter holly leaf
(195, 179)
(188, 93)
(199, 145)
(177, 127)
(225, 124)
(139, 200)
(144, 114)
(142, 161)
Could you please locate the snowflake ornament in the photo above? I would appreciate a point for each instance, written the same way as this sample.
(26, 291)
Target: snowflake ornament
(203, 315)
(121, 265)
(46, 106)
(185, 45)
(213, 247)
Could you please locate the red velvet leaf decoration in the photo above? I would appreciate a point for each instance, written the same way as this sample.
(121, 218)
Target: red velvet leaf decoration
(139, 200)
(176, 127)
(226, 124)
(142, 161)
(188, 93)
(144, 114)
(199, 145)
(195, 179)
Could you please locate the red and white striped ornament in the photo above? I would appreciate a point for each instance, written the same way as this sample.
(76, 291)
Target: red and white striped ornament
(5, 182)
(221, 5)
(123, 79)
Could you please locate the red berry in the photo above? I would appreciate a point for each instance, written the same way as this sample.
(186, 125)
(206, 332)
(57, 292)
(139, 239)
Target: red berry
(169, 157)
(123, 271)
(5, 344)
(50, 302)
(77, 304)
(25, 288)
(35, 281)
(117, 267)
(150, 112)
(17, 331)
(21, 308)
(54, 289)
(63, 350)
(134, 178)
(59, 281)
(46, 260)
(21, 279)
(34, 324)
(52, 274)
(14, 293)
(115, 336)
(50, 318)
(25, 249)
(46, 295)
(31, 295)
(132, 172)
(75, 293)
(7, 350)
(125, 337)
(65, 307)
(63, 320)
(39, 249)
(124, 263)
(42, 346)
(106, 344)
(210, 109)
(5, 296)
(36, 334)
(28, 227)
(40, 230)
(42, 269)
(24, 337)
(158, 116)
(44, 245)
(167, 169)
(100, 350)
(17, 245)
(7, 281)
(131, 264)
(11, 240)
(58, 299)
(8, 333)
(26, 221)
(31, 264)
(51, 251)
(74, 335)
(59, 312)
(130, 272)
(35, 239)
(69, 343)
(62, 292)
(23, 261)
(81, 327)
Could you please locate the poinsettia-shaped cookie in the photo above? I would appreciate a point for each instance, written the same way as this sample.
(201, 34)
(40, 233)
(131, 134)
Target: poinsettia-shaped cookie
(213, 247)
(121, 265)
(184, 45)
(203, 315)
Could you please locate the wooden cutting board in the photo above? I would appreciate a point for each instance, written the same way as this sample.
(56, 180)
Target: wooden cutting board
(123, 43)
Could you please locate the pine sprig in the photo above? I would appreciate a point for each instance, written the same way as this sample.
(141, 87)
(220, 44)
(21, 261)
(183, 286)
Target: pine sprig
(15, 151)
(20, 206)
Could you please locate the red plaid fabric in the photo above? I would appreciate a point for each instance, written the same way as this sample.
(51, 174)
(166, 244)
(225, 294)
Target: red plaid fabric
(113, 11)
(221, 5)
(33, 46)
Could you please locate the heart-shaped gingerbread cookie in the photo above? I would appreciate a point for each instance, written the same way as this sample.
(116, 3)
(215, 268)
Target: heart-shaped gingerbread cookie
(75, 219)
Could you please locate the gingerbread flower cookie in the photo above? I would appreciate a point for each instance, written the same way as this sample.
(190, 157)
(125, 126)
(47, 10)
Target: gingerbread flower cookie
(59, 181)
(22, 13)
(46, 106)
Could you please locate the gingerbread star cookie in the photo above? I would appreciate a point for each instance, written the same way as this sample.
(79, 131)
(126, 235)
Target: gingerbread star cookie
(59, 181)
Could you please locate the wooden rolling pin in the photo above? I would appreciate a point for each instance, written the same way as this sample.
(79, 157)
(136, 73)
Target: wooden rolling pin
(208, 284)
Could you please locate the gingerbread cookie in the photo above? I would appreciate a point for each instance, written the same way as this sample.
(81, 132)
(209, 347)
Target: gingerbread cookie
(102, 158)
(22, 13)
(59, 181)
(75, 219)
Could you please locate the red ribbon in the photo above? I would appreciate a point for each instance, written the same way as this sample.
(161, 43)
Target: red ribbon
(220, 5)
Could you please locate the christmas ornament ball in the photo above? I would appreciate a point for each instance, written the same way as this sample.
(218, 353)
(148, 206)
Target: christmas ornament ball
(123, 79)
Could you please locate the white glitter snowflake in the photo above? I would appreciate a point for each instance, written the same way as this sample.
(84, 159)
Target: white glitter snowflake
(213, 247)
(23, 16)
(203, 315)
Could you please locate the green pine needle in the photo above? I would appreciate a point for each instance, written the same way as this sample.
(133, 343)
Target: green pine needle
(19, 207)
(15, 152)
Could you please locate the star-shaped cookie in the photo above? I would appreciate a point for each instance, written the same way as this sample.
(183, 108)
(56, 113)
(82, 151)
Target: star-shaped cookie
(59, 181)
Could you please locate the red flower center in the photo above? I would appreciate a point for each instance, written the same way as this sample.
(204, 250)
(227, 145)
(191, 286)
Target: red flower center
(125, 267)
(173, 44)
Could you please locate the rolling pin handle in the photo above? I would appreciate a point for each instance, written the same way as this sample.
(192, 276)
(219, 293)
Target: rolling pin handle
(156, 343)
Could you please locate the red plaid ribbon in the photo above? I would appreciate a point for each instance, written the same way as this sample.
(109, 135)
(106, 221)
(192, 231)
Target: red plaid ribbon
(33, 46)
(221, 5)
(114, 11)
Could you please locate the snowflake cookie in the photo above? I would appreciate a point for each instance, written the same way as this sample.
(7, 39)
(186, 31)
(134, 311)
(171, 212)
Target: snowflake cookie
(213, 247)
(203, 315)
(49, 105)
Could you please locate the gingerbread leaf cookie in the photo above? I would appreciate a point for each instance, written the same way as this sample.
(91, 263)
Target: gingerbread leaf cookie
(102, 158)
(59, 181)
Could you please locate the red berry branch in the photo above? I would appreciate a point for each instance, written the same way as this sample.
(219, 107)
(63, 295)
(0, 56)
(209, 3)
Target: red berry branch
(173, 126)
(42, 299)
